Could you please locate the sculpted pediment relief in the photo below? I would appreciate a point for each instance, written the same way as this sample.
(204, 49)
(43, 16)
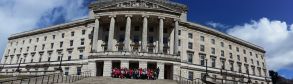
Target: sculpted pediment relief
(136, 4)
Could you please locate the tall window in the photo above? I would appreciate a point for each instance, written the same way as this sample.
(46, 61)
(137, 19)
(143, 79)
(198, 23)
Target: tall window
(213, 41)
(72, 33)
(202, 48)
(83, 32)
(222, 44)
(230, 47)
(37, 39)
(239, 68)
(45, 38)
(53, 36)
(202, 38)
(238, 57)
(244, 51)
(34, 49)
(231, 66)
(78, 70)
(231, 55)
(190, 75)
(253, 70)
(179, 42)
(179, 32)
(82, 42)
(222, 53)
(69, 58)
(190, 45)
(190, 35)
(66, 71)
(52, 45)
(71, 42)
(61, 44)
(190, 57)
(252, 61)
(150, 39)
(63, 35)
(213, 50)
(43, 46)
(213, 60)
(237, 49)
(202, 60)
(223, 63)
(245, 59)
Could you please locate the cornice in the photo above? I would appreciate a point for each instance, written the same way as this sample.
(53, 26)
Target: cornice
(222, 35)
(52, 28)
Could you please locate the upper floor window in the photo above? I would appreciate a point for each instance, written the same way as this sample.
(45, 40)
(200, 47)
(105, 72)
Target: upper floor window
(222, 44)
(43, 47)
(52, 45)
(83, 32)
(190, 35)
(202, 60)
(61, 44)
(54, 36)
(30, 41)
(237, 49)
(239, 68)
(213, 60)
(35, 48)
(202, 48)
(202, 38)
(190, 75)
(256, 55)
(250, 53)
(82, 42)
(244, 51)
(232, 66)
(37, 39)
(213, 41)
(71, 42)
(231, 55)
(72, 33)
(27, 49)
(179, 42)
(213, 50)
(222, 53)
(230, 47)
(190, 57)
(245, 59)
(45, 38)
(238, 57)
(63, 35)
(179, 32)
(190, 45)
(252, 61)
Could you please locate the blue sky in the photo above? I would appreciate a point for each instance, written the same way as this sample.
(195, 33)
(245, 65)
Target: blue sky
(267, 23)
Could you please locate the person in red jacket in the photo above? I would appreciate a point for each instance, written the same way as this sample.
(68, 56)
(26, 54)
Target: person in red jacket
(139, 73)
(130, 73)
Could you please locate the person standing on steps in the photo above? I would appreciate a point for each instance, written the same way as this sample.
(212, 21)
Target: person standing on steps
(158, 72)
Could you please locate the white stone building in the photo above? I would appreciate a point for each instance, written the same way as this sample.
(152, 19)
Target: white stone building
(135, 34)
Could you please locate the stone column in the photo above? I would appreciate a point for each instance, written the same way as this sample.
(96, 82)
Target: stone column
(161, 34)
(145, 33)
(92, 67)
(107, 68)
(143, 64)
(162, 68)
(125, 64)
(111, 34)
(96, 35)
(127, 33)
(176, 37)
(176, 71)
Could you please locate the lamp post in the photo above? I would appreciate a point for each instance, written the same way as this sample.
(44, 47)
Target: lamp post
(18, 70)
(206, 72)
(248, 80)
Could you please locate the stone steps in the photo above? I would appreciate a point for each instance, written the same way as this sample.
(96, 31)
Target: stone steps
(108, 80)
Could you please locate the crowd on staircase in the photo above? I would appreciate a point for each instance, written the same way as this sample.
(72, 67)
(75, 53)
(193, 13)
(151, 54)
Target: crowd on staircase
(150, 74)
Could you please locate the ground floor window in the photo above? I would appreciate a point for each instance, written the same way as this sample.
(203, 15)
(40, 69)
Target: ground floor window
(190, 75)
(66, 71)
(78, 70)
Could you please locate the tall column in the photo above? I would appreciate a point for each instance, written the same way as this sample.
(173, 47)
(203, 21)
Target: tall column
(96, 35)
(127, 33)
(176, 37)
(111, 34)
(145, 33)
(107, 68)
(162, 69)
(161, 34)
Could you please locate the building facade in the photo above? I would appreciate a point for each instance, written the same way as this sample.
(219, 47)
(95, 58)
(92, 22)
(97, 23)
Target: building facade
(135, 34)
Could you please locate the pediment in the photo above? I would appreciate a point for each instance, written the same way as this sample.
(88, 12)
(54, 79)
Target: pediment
(136, 4)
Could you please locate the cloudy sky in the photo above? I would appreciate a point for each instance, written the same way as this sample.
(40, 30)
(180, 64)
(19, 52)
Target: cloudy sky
(268, 23)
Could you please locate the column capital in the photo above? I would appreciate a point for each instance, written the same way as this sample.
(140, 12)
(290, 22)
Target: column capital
(176, 19)
(145, 16)
(160, 17)
(128, 15)
(97, 17)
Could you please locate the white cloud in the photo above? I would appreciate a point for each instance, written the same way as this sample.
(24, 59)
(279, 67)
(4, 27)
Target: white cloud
(216, 25)
(275, 36)
(23, 15)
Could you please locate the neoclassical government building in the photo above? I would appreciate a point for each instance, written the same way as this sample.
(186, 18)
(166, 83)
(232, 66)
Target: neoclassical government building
(135, 34)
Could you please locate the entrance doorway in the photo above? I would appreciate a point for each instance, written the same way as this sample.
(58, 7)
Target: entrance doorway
(152, 65)
(116, 64)
(133, 65)
(100, 68)
(168, 72)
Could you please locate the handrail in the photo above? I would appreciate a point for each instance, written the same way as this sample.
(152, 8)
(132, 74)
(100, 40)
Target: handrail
(50, 78)
(183, 80)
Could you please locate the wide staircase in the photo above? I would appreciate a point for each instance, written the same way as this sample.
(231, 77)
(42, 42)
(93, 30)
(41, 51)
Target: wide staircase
(108, 80)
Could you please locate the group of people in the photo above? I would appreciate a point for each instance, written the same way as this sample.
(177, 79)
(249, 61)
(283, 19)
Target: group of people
(150, 74)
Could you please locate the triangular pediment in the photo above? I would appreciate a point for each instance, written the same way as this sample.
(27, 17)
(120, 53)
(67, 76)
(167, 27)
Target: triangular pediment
(139, 4)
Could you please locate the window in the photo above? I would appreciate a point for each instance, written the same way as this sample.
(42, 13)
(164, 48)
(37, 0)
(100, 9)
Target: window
(250, 53)
(23, 41)
(213, 61)
(202, 48)
(239, 68)
(222, 53)
(45, 38)
(59, 58)
(63, 34)
(71, 42)
(252, 61)
(49, 59)
(245, 59)
(237, 49)
(244, 51)
(190, 35)
(72, 33)
(213, 50)
(223, 64)
(179, 32)
(190, 45)
(52, 45)
(54, 36)
(66, 71)
(69, 58)
(27, 49)
(231, 55)
(222, 44)
(263, 65)
(136, 28)
(213, 41)
(256, 55)
(15, 50)
(238, 57)
(82, 42)
(259, 71)
(257, 62)
(202, 38)
(190, 75)
(83, 32)
(232, 66)
(43, 47)
(80, 56)
(190, 57)
(61, 44)
(29, 41)
(35, 48)
(202, 60)
(20, 50)
(37, 39)
(40, 59)
(78, 70)
(253, 70)
(179, 42)
(230, 47)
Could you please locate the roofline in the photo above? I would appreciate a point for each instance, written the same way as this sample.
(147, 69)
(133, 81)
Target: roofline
(222, 35)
